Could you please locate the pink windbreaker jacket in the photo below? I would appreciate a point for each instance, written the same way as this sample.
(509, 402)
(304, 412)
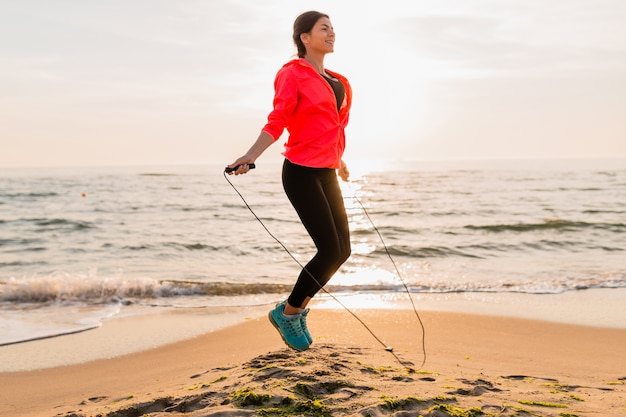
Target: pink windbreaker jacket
(305, 104)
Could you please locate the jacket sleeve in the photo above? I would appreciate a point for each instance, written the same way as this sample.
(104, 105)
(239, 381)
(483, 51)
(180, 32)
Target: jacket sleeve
(285, 101)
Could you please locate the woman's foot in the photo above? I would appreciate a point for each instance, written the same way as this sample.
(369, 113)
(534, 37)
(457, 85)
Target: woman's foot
(289, 327)
(303, 313)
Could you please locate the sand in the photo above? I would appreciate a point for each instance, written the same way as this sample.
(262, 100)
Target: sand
(475, 365)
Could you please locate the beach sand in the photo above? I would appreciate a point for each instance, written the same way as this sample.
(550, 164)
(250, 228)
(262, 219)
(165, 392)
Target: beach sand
(497, 366)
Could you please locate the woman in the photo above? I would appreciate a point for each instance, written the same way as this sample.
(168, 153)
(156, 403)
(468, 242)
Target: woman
(313, 103)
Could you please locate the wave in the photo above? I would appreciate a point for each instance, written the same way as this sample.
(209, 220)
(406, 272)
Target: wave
(77, 225)
(29, 195)
(604, 211)
(59, 289)
(175, 245)
(548, 224)
(47, 224)
(423, 252)
(486, 250)
(63, 288)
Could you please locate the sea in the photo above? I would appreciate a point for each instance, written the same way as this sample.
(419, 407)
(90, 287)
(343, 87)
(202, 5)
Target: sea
(80, 246)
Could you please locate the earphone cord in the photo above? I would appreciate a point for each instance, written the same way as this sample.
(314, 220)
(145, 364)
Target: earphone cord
(383, 344)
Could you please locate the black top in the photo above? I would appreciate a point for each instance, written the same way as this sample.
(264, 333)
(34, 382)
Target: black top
(338, 88)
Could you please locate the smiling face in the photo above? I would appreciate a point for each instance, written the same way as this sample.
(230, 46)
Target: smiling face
(321, 39)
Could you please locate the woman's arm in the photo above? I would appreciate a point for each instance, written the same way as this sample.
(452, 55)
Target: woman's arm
(262, 143)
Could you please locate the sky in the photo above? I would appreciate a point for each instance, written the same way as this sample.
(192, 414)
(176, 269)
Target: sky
(168, 82)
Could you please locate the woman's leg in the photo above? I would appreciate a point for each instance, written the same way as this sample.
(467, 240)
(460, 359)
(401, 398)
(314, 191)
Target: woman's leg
(316, 197)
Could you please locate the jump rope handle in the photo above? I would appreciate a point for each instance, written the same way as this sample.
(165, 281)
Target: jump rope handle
(227, 170)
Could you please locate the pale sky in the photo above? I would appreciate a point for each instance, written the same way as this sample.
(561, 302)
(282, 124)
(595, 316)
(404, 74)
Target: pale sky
(135, 82)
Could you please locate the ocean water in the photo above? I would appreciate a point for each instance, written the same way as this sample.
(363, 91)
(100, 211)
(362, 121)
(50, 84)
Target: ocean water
(81, 245)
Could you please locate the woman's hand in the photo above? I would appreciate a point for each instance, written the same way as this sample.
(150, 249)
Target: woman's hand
(242, 162)
(343, 171)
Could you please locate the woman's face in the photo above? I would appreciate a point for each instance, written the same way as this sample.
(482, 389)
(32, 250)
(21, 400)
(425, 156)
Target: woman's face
(321, 39)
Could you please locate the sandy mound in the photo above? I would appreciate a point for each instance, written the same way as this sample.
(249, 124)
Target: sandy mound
(330, 380)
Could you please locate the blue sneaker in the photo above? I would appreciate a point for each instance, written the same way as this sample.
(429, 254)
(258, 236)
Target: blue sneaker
(290, 328)
(305, 329)
(303, 315)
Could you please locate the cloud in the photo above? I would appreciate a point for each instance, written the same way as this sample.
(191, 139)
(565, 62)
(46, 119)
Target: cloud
(512, 44)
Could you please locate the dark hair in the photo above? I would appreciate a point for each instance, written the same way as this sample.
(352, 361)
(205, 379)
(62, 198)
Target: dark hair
(304, 24)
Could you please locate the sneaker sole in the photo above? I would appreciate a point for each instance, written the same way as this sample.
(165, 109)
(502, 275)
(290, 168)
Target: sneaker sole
(281, 334)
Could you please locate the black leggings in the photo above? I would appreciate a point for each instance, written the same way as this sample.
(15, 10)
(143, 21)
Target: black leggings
(316, 196)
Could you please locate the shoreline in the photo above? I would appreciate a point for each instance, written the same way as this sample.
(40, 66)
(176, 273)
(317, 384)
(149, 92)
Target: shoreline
(139, 330)
(509, 355)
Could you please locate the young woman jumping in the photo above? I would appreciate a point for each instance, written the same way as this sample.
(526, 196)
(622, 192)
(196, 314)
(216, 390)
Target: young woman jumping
(313, 104)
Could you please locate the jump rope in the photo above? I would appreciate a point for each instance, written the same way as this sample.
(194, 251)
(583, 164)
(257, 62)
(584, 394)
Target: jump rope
(352, 313)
